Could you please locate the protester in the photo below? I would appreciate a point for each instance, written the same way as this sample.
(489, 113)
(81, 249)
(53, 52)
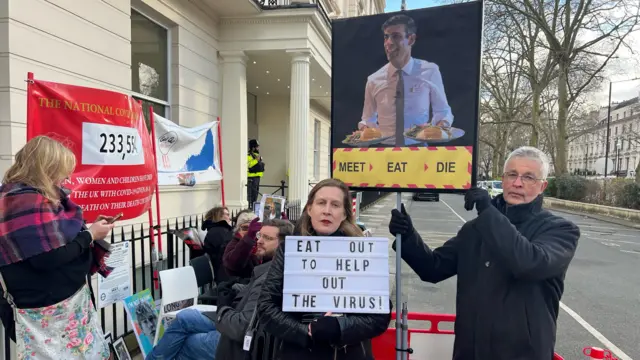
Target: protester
(314, 336)
(46, 255)
(511, 262)
(217, 223)
(240, 254)
(219, 335)
(233, 322)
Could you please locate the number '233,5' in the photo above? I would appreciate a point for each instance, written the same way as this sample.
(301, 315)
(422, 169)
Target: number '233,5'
(117, 143)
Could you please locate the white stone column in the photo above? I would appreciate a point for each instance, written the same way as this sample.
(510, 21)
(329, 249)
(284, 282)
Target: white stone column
(299, 126)
(234, 127)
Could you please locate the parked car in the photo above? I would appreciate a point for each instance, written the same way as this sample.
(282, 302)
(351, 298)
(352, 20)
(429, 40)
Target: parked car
(494, 187)
(426, 196)
(366, 232)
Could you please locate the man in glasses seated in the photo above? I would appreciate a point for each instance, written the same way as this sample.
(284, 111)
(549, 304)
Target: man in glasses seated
(219, 335)
(511, 262)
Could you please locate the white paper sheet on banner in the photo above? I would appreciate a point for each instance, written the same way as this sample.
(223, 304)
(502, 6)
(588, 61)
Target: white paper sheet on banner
(186, 156)
(117, 286)
(337, 274)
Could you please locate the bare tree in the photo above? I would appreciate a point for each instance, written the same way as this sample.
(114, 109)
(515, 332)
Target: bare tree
(538, 64)
(582, 36)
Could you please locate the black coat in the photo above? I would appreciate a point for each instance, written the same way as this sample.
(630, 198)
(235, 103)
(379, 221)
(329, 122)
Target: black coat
(219, 234)
(511, 264)
(357, 330)
(232, 323)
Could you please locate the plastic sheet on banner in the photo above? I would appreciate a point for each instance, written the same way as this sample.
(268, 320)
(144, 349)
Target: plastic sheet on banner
(187, 156)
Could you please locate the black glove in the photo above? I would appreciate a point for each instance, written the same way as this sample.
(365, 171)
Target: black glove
(326, 330)
(226, 294)
(478, 197)
(400, 222)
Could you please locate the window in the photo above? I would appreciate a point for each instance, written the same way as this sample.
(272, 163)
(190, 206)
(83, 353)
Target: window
(316, 149)
(150, 64)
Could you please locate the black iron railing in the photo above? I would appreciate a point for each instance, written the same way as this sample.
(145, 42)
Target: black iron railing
(144, 267)
(292, 4)
(276, 188)
(370, 197)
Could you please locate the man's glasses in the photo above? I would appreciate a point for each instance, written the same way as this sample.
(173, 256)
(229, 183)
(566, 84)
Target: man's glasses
(266, 237)
(526, 179)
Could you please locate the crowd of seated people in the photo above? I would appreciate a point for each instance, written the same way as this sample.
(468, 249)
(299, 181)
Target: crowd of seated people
(249, 291)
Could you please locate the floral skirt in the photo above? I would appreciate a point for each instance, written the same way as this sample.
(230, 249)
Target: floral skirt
(69, 329)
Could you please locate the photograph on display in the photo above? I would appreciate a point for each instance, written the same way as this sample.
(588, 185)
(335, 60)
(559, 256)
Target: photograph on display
(405, 98)
(120, 350)
(143, 316)
(271, 207)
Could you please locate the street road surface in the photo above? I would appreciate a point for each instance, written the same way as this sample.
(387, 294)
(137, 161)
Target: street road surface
(601, 302)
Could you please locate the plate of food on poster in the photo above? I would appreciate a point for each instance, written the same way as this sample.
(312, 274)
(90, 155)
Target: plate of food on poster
(433, 134)
(365, 137)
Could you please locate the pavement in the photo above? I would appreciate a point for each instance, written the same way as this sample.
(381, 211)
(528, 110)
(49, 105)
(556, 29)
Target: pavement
(601, 302)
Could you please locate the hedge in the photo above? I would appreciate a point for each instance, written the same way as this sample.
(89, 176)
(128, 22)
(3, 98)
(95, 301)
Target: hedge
(612, 192)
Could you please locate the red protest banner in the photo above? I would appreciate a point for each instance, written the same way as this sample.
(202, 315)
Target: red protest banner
(115, 171)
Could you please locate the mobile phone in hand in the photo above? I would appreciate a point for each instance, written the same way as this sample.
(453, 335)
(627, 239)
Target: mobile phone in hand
(115, 218)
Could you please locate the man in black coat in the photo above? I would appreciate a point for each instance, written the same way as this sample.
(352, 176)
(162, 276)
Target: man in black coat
(236, 322)
(511, 262)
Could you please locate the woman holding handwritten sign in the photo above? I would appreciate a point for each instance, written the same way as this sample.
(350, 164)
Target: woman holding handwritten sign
(316, 335)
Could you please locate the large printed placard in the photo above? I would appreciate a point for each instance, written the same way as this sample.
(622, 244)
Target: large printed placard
(405, 99)
(429, 167)
(186, 156)
(115, 171)
(337, 274)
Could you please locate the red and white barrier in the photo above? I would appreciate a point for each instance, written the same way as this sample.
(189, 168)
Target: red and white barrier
(354, 205)
(598, 353)
(430, 343)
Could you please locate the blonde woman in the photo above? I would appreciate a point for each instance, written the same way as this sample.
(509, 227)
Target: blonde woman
(45, 258)
(314, 336)
(217, 224)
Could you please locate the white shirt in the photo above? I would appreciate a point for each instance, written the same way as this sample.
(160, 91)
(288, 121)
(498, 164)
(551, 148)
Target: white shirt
(422, 88)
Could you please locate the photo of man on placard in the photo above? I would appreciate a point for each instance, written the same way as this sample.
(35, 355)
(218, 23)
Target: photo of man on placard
(407, 79)
(405, 91)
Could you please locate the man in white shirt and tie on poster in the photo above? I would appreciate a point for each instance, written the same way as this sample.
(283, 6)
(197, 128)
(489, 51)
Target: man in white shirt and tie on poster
(404, 88)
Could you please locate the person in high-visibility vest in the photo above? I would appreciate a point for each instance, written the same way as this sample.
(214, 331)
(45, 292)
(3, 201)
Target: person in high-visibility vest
(255, 171)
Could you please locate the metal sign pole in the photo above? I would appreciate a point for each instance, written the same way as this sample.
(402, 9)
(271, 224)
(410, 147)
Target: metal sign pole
(402, 327)
(399, 352)
(358, 202)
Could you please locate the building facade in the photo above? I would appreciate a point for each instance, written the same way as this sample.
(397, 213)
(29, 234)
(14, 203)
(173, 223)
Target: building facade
(588, 150)
(263, 66)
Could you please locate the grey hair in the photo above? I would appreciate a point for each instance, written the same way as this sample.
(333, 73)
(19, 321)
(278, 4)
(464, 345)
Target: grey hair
(244, 218)
(285, 227)
(532, 153)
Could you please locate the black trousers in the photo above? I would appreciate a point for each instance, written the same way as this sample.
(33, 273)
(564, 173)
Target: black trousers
(253, 186)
